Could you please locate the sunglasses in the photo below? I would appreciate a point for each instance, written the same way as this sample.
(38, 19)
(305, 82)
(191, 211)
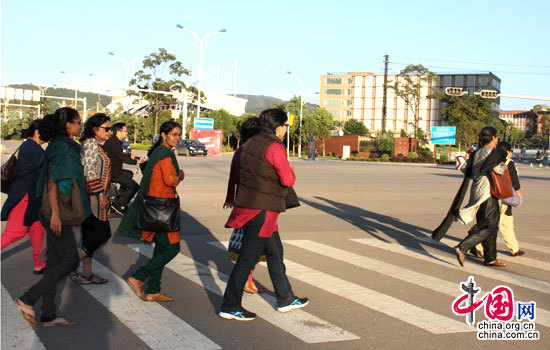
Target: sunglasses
(106, 128)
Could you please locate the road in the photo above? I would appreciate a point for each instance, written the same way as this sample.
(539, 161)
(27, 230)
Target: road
(358, 247)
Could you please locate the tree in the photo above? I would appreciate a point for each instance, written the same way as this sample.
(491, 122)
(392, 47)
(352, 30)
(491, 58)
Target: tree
(225, 121)
(318, 124)
(404, 133)
(385, 143)
(409, 85)
(355, 127)
(161, 72)
(543, 112)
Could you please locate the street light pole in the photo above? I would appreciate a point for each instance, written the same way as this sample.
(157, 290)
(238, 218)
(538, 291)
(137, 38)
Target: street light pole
(201, 44)
(127, 65)
(301, 110)
(75, 83)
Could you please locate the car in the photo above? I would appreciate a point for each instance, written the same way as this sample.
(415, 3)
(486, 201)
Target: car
(190, 148)
(126, 148)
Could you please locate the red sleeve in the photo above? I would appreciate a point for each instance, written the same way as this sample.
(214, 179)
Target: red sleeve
(276, 156)
(167, 169)
(233, 176)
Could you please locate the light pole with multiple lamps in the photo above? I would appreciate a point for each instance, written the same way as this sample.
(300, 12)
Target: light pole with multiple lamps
(75, 82)
(301, 110)
(201, 44)
(127, 65)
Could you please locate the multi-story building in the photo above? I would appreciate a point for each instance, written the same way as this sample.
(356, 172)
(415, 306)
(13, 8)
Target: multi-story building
(360, 95)
(523, 120)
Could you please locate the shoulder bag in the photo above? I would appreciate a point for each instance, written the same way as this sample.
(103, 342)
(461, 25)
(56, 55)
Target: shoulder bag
(158, 214)
(71, 209)
(502, 185)
(9, 172)
(291, 198)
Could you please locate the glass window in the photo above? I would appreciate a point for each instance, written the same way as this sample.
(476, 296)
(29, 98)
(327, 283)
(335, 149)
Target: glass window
(333, 92)
(483, 81)
(459, 80)
(447, 80)
(336, 113)
(337, 103)
(471, 81)
(348, 103)
(350, 81)
(334, 80)
(349, 92)
(348, 113)
(496, 84)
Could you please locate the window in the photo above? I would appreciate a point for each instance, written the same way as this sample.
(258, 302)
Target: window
(447, 80)
(334, 81)
(496, 84)
(335, 113)
(348, 113)
(471, 81)
(337, 103)
(333, 92)
(349, 92)
(350, 81)
(459, 81)
(348, 103)
(483, 81)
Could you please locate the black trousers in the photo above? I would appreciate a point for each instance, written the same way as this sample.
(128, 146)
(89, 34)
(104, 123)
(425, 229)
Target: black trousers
(128, 187)
(95, 232)
(62, 258)
(252, 247)
(485, 230)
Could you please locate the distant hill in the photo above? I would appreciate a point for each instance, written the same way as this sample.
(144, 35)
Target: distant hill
(257, 103)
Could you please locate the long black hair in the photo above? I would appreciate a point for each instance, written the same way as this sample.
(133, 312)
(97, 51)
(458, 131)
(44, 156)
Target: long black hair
(486, 135)
(29, 132)
(165, 128)
(249, 128)
(271, 119)
(55, 124)
(94, 121)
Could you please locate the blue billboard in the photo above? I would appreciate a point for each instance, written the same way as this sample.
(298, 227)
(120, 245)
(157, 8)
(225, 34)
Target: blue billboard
(443, 135)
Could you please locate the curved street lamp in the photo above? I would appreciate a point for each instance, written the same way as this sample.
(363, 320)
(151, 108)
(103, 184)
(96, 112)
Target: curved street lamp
(301, 107)
(128, 66)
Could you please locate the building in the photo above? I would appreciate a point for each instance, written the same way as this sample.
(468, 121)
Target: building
(523, 120)
(360, 95)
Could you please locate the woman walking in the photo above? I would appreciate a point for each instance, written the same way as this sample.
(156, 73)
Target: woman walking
(97, 172)
(21, 208)
(160, 178)
(60, 165)
(264, 176)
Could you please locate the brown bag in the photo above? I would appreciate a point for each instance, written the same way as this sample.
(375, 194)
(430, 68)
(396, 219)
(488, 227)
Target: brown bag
(9, 172)
(71, 209)
(502, 185)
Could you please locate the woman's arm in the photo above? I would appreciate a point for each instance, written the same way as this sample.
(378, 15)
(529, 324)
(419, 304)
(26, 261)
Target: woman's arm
(276, 156)
(90, 160)
(55, 219)
(168, 172)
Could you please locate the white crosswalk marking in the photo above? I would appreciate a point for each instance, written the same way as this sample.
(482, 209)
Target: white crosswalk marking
(20, 334)
(414, 315)
(299, 323)
(153, 324)
(449, 261)
(520, 260)
(397, 272)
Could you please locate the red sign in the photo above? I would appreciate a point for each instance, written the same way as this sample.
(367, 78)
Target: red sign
(212, 139)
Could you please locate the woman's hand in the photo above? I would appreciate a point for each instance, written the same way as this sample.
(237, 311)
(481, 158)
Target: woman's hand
(228, 205)
(181, 175)
(55, 223)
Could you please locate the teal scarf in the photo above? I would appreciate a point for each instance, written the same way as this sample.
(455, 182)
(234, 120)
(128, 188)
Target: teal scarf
(127, 226)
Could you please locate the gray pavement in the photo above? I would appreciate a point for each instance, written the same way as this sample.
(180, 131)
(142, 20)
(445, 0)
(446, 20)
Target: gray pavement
(356, 247)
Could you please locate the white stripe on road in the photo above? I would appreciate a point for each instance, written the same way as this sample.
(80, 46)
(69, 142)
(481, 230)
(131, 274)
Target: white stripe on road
(17, 333)
(450, 261)
(153, 324)
(414, 315)
(449, 288)
(520, 260)
(299, 323)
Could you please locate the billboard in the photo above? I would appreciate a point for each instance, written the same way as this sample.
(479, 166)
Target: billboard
(211, 138)
(443, 135)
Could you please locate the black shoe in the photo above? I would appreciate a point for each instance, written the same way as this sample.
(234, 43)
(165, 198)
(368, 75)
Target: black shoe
(38, 272)
(239, 315)
(297, 303)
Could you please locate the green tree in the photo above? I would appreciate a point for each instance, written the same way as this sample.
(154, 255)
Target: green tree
(385, 143)
(318, 124)
(404, 133)
(225, 121)
(408, 85)
(355, 127)
(543, 112)
(161, 72)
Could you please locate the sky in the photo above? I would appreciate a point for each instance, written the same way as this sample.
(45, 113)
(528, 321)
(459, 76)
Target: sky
(266, 39)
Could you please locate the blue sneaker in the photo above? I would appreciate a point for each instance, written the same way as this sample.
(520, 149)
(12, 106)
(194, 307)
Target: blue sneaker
(239, 315)
(297, 303)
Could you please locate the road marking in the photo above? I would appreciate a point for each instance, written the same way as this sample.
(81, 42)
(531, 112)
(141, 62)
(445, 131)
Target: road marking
(449, 288)
(299, 323)
(18, 333)
(520, 260)
(153, 324)
(449, 261)
(414, 315)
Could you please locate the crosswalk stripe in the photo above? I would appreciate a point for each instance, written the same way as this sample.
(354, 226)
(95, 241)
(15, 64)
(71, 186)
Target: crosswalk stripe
(152, 323)
(299, 323)
(520, 260)
(397, 272)
(449, 261)
(21, 334)
(414, 315)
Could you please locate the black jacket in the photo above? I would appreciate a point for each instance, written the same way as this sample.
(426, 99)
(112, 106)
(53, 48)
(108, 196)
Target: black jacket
(113, 147)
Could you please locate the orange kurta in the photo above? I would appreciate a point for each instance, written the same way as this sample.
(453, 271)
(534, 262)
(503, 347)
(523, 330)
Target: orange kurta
(162, 186)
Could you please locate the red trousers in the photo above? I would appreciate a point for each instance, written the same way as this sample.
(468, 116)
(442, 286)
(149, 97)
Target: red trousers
(15, 230)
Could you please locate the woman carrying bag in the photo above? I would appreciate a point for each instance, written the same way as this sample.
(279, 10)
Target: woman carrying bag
(61, 175)
(159, 181)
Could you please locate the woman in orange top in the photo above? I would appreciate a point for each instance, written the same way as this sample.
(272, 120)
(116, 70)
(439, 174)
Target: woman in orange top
(160, 178)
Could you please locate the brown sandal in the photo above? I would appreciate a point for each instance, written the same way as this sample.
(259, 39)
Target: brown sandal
(27, 311)
(59, 321)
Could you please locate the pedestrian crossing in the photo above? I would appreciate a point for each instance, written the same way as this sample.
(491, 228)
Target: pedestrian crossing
(159, 328)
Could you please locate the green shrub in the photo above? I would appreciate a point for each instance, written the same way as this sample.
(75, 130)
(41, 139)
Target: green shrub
(385, 158)
(227, 149)
(423, 151)
(412, 155)
(444, 158)
(367, 146)
(140, 146)
(385, 143)
(354, 153)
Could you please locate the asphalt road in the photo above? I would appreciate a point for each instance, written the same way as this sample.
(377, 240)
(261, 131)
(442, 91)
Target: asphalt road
(358, 247)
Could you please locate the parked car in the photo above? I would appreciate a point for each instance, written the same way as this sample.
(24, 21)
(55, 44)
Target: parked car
(190, 148)
(126, 148)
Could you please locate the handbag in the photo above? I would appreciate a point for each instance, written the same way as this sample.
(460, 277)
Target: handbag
(71, 209)
(158, 214)
(514, 201)
(502, 185)
(291, 198)
(9, 172)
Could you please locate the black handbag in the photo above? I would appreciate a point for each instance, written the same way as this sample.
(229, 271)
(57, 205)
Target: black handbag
(158, 214)
(291, 198)
(71, 209)
(9, 172)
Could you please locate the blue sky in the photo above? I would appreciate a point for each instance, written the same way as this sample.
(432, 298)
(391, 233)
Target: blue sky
(269, 38)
